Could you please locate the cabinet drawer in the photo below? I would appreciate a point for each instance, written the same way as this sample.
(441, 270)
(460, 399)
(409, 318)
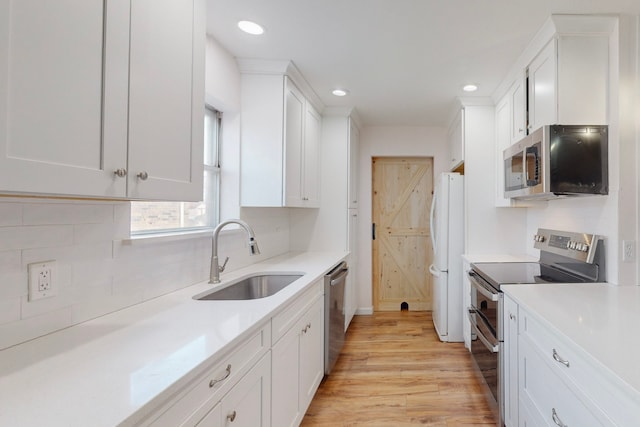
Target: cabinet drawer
(542, 389)
(588, 379)
(214, 382)
(284, 320)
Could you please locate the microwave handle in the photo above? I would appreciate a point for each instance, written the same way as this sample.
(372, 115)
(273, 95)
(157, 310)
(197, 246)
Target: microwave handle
(536, 156)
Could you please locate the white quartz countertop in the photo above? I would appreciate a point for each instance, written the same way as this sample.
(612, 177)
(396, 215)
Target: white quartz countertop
(601, 319)
(114, 369)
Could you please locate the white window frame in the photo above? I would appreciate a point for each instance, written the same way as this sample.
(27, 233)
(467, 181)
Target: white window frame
(211, 166)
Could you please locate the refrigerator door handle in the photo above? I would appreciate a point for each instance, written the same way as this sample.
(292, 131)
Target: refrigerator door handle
(433, 271)
(432, 232)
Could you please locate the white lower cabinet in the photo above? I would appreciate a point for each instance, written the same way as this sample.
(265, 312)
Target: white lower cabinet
(247, 404)
(298, 361)
(269, 379)
(555, 382)
(239, 382)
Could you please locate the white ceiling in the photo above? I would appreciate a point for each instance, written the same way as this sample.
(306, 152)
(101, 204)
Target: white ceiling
(403, 61)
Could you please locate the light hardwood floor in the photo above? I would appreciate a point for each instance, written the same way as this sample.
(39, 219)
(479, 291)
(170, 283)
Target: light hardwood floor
(393, 371)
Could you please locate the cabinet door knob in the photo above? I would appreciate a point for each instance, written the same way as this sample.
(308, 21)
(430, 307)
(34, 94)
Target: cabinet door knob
(120, 172)
(143, 175)
(232, 416)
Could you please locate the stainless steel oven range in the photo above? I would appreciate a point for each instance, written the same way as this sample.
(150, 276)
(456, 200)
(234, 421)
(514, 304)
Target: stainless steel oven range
(565, 257)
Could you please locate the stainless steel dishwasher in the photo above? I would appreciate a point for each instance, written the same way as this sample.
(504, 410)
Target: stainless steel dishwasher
(334, 286)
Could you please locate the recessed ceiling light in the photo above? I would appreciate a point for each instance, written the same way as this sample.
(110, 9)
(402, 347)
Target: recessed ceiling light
(340, 92)
(251, 27)
(470, 88)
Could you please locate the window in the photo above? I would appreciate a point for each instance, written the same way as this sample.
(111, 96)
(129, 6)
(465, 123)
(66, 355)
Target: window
(166, 217)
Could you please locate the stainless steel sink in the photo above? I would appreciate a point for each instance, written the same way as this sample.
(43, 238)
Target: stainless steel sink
(253, 287)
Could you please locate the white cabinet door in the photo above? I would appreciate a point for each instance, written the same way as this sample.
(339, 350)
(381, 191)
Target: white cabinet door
(456, 141)
(56, 75)
(351, 292)
(311, 158)
(285, 367)
(298, 366)
(302, 150)
(354, 150)
(311, 353)
(248, 404)
(293, 144)
(166, 99)
(213, 418)
(518, 104)
(542, 88)
(510, 364)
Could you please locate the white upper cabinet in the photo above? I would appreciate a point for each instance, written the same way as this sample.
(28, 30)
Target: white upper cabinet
(568, 73)
(166, 100)
(280, 149)
(87, 90)
(456, 141)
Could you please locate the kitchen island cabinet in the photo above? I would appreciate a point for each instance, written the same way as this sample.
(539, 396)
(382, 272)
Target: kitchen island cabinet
(157, 359)
(90, 93)
(575, 363)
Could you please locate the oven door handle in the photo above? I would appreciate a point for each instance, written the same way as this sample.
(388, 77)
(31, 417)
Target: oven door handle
(494, 348)
(475, 281)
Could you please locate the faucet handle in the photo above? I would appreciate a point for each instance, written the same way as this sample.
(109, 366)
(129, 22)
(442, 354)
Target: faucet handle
(224, 264)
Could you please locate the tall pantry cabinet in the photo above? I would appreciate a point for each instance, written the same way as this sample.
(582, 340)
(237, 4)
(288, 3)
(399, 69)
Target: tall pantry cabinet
(334, 226)
(89, 93)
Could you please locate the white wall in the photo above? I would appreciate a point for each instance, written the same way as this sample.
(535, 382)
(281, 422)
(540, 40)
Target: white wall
(100, 270)
(391, 141)
(614, 216)
(488, 229)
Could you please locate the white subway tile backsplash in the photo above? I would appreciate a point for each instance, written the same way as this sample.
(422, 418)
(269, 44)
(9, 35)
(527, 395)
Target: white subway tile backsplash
(9, 309)
(49, 214)
(33, 327)
(87, 233)
(10, 214)
(12, 238)
(99, 270)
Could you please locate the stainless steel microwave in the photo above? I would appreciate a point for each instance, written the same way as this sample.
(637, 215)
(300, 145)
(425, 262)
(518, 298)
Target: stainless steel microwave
(558, 160)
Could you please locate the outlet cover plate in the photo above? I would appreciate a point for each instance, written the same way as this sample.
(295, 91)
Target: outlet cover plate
(42, 280)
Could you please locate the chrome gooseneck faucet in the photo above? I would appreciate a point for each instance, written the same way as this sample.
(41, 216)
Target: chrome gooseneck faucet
(216, 268)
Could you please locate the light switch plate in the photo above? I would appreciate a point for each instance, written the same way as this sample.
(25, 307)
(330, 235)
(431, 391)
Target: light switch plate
(42, 280)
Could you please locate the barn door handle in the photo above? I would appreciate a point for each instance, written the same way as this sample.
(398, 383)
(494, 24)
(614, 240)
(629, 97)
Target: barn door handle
(373, 231)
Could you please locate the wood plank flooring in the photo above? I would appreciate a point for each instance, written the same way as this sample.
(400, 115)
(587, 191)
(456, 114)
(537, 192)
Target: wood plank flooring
(393, 371)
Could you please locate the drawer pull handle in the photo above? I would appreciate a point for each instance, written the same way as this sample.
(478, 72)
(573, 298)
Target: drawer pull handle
(559, 359)
(226, 375)
(556, 418)
(232, 416)
(512, 316)
(306, 328)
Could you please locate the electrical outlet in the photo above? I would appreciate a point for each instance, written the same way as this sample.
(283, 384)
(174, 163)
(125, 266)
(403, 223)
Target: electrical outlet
(42, 276)
(628, 251)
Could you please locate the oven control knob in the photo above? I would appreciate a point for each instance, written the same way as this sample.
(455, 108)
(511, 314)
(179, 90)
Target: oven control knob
(573, 245)
(538, 238)
(585, 247)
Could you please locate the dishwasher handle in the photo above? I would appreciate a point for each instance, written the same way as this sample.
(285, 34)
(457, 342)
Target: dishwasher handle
(339, 277)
